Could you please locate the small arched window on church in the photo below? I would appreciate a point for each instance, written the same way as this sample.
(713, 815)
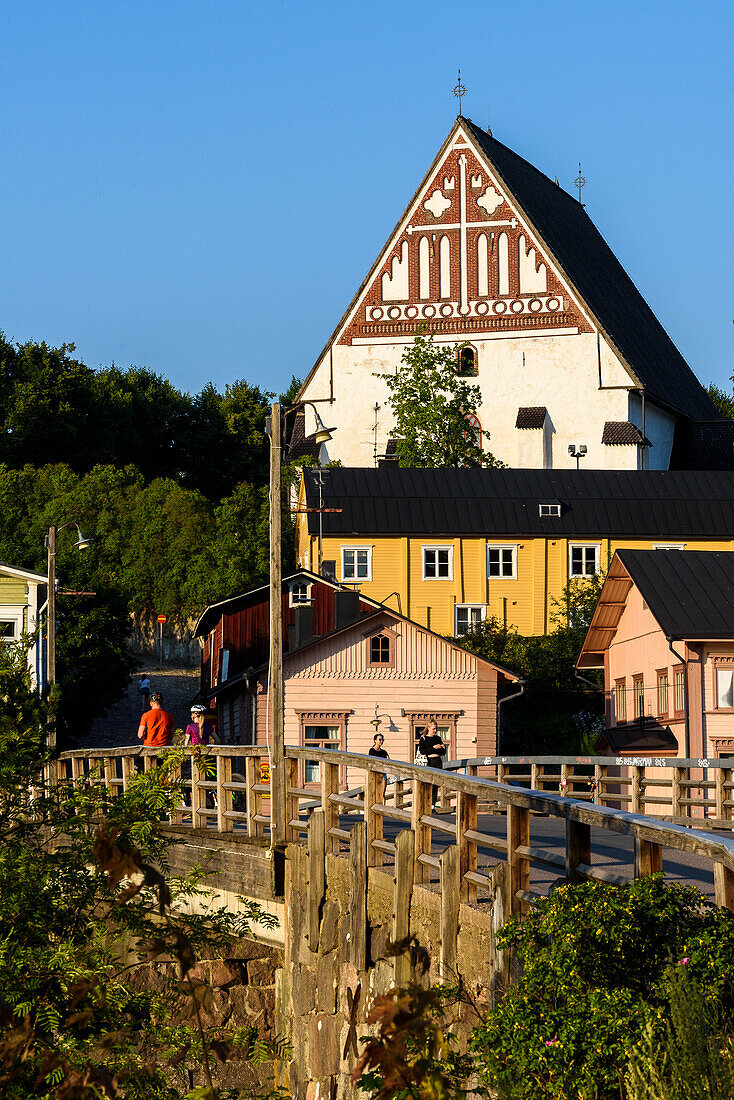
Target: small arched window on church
(474, 432)
(467, 365)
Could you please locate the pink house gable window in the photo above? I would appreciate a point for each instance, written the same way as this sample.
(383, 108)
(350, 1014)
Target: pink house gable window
(381, 649)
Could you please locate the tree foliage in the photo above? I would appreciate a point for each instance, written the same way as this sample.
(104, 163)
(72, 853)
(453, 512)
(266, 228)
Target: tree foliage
(55, 410)
(85, 905)
(557, 712)
(430, 402)
(723, 401)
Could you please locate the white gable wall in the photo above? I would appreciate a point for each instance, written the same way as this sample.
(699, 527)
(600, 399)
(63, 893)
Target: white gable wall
(560, 372)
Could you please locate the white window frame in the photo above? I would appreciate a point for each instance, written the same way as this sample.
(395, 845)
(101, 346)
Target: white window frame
(12, 613)
(480, 607)
(436, 547)
(355, 579)
(553, 509)
(596, 547)
(503, 546)
(668, 546)
(308, 585)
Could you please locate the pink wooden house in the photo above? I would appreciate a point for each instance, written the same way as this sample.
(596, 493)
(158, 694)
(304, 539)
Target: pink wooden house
(386, 667)
(663, 631)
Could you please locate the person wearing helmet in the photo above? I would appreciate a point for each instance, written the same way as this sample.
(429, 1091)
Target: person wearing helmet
(200, 731)
(156, 725)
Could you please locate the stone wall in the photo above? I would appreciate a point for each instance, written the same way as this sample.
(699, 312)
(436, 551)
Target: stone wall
(318, 988)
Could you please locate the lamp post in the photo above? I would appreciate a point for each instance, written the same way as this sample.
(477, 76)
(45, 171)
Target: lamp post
(278, 824)
(81, 544)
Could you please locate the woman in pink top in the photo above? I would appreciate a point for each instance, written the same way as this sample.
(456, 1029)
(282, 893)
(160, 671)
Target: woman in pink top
(199, 731)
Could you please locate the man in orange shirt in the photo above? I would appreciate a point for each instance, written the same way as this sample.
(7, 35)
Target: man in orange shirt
(156, 725)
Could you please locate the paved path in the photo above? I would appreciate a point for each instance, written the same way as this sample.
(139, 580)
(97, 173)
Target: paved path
(118, 726)
(612, 851)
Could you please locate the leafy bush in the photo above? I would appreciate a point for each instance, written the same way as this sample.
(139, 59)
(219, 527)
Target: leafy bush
(596, 962)
(85, 904)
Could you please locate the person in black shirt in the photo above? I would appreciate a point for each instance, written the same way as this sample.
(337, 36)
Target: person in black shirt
(377, 750)
(434, 749)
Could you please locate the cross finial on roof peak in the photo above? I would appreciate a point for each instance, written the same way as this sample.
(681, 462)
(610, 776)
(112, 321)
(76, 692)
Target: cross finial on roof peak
(459, 90)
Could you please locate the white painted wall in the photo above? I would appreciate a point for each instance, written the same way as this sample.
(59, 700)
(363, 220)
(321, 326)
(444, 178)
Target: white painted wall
(561, 372)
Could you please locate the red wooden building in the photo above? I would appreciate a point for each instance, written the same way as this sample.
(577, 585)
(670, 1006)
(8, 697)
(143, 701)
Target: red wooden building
(236, 639)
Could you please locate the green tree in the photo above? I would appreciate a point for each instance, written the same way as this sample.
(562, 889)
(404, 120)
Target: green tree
(85, 905)
(430, 401)
(557, 712)
(723, 401)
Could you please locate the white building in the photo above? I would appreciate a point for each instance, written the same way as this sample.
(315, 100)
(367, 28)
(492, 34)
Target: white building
(491, 253)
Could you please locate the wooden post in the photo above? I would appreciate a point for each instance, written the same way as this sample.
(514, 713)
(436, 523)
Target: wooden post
(724, 886)
(404, 868)
(225, 824)
(329, 786)
(466, 818)
(316, 876)
(578, 848)
(358, 897)
(564, 786)
(678, 789)
(648, 857)
(372, 796)
(422, 833)
(720, 791)
(637, 775)
(599, 774)
(128, 771)
(176, 815)
(198, 796)
(275, 674)
(254, 828)
(534, 774)
(518, 833)
(292, 801)
(448, 968)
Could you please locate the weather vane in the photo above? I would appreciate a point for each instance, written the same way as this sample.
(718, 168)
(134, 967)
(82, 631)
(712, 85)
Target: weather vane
(459, 90)
(580, 182)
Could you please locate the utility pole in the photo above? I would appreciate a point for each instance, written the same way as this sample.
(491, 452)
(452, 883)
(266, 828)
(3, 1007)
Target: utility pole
(51, 631)
(275, 670)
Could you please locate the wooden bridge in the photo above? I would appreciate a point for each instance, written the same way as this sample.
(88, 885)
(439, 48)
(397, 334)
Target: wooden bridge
(546, 818)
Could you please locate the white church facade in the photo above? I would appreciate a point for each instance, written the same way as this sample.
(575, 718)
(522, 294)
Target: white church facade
(493, 255)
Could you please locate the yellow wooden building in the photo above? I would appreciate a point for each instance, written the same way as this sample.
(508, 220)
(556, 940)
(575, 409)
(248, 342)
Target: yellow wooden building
(448, 548)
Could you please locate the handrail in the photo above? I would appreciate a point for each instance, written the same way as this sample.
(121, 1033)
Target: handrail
(350, 789)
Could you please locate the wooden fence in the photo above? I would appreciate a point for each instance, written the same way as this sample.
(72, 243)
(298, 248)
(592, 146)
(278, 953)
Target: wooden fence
(236, 797)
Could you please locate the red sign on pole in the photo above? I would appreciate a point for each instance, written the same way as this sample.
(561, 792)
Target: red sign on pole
(161, 618)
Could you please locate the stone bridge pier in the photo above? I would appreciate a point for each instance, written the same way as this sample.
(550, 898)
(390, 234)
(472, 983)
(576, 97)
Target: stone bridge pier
(337, 921)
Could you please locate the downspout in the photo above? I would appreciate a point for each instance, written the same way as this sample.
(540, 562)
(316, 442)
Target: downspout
(643, 445)
(506, 699)
(686, 727)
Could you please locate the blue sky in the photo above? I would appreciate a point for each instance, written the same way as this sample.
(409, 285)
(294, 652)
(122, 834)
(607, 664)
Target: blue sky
(200, 187)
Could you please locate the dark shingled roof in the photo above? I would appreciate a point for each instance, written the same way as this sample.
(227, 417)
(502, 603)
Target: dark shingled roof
(659, 504)
(690, 592)
(621, 431)
(590, 265)
(531, 416)
(703, 445)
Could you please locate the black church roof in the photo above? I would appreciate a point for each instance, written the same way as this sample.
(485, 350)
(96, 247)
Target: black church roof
(590, 265)
(659, 504)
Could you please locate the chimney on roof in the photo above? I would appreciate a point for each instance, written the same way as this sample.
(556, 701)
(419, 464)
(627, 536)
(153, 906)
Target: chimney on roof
(328, 570)
(302, 631)
(346, 607)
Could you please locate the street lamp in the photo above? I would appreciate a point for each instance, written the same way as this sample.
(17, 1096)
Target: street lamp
(278, 824)
(82, 543)
(577, 452)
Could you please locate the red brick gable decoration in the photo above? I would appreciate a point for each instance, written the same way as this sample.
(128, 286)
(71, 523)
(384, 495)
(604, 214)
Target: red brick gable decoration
(462, 262)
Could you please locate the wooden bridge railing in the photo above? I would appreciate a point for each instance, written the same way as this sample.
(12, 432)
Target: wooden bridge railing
(350, 792)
